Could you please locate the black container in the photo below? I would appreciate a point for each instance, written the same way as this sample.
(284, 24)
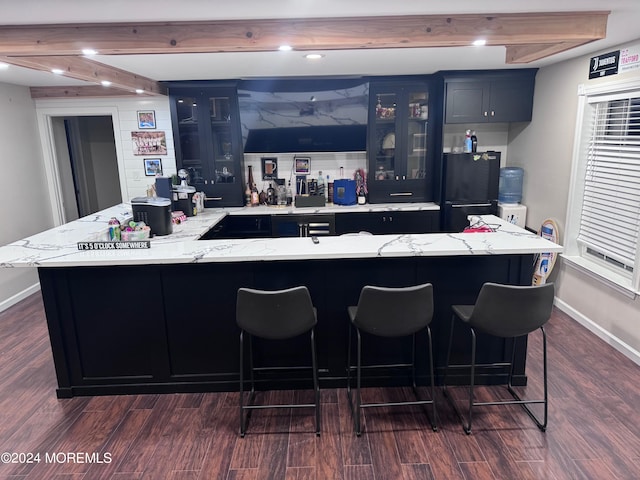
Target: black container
(163, 187)
(183, 200)
(155, 212)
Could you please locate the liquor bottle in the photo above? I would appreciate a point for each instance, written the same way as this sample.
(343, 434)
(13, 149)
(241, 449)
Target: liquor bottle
(248, 191)
(289, 194)
(321, 187)
(474, 142)
(328, 190)
(247, 195)
(271, 195)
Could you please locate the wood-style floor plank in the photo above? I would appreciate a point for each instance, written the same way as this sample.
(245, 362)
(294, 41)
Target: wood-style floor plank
(594, 394)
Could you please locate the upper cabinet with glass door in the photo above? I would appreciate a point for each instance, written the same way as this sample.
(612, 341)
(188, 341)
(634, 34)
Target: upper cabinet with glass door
(399, 149)
(208, 142)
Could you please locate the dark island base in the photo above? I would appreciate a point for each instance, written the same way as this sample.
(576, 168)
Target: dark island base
(171, 328)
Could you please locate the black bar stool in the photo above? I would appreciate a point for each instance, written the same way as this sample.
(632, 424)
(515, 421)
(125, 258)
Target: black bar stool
(391, 312)
(506, 311)
(275, 315)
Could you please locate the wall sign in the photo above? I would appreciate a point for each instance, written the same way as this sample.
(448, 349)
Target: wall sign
(604, 65)
(629, 59)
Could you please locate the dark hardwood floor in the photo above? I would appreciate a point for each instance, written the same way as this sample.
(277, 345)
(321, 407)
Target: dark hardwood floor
(594, 402)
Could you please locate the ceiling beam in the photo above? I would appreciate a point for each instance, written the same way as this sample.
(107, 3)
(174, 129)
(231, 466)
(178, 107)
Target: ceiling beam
(415, 31)
(93, 91)
(528, 53)
(81, 68)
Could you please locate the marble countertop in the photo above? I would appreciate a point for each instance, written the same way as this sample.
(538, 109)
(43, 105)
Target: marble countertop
(57, 247)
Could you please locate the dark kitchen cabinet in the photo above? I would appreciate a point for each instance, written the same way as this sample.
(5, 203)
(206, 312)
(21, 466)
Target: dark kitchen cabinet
(240, 226)
(380, 223)
(302, 225)
(207, 138)
(400, 142)
(484, 98)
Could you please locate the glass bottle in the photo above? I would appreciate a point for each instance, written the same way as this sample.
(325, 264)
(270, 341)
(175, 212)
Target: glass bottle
(248, 191)
(289, 194)
(255, 197)
(321, 187)
(271, 195)
(328, 186)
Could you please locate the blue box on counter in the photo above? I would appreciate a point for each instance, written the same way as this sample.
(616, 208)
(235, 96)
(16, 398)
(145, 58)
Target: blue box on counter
(344, 192)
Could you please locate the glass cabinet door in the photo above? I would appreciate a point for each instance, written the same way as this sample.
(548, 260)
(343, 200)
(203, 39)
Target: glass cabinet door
(187, 117)
(385, 136)
(416, 147)
(223, 170)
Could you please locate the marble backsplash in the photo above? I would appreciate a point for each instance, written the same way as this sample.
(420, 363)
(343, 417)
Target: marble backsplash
(329, 163)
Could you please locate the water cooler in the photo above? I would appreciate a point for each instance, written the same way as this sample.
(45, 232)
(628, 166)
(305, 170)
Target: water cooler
(515, 213)
(510, 196)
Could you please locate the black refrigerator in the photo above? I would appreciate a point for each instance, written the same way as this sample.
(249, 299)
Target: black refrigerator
(469, 187)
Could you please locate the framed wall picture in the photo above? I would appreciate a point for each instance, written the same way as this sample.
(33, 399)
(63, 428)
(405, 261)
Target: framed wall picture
(269, 168)
(149, 143)
(152, 167)
(302, 165)
(146, 119)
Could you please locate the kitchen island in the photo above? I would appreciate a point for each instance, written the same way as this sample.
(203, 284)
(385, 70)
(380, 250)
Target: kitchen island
(163, 319)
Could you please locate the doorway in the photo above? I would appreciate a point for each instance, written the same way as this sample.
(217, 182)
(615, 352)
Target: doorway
(87, 164)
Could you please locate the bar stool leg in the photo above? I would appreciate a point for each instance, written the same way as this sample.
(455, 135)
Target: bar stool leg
(316, 386)
(434, 422)
(242, 426)
(467, 428)
(358, 385)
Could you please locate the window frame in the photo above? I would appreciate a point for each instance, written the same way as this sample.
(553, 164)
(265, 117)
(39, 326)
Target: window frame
(576, 253)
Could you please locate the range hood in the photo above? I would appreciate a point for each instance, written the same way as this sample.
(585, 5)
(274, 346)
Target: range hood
(320, 138)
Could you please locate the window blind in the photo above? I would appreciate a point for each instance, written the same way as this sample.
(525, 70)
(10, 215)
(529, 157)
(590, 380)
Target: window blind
(610, 220)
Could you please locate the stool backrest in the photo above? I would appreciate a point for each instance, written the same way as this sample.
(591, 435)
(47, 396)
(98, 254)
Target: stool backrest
(511, 310)
(275, 314)
(394, 312)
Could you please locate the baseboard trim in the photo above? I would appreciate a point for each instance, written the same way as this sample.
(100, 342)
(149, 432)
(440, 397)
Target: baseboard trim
(11, 301)
(600, 332)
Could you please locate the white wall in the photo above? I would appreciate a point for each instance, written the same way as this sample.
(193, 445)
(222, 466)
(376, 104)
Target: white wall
(544, 148)
(133, 181)
(25, 208)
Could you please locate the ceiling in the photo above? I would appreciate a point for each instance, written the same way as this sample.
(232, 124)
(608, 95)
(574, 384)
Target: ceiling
(339, 59)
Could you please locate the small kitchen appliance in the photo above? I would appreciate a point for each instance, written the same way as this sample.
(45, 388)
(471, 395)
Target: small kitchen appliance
(155, 212)
(182, 195)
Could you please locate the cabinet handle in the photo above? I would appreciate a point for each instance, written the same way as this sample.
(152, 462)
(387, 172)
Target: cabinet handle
(486, 114)
(404, 177)
(465, 205)
(493, 114)
(401, 194)
(213, 198)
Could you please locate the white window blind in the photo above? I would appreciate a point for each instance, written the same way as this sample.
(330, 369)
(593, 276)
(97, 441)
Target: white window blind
(610, 220)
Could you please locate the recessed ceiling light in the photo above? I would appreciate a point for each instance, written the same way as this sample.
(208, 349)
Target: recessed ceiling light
(479, 43)
(57, 71)
(105, 83)
(139, 90)
(285, 48)
(3, 65)
(313, 56)
(89, 51)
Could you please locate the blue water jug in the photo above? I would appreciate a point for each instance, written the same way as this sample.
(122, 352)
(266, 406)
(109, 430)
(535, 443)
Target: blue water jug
(510, 185)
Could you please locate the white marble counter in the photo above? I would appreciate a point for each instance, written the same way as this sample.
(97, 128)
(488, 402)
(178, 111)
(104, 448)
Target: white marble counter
(331, 208)
(58, 247)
